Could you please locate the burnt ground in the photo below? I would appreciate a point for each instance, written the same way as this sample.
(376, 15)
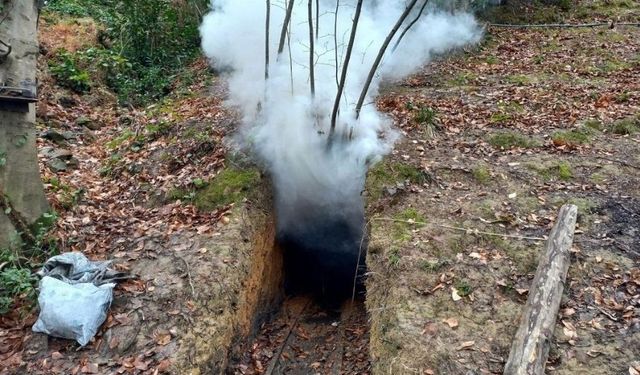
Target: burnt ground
(496, 140)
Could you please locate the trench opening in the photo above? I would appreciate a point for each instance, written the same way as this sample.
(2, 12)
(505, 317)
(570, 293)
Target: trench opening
(309, 316)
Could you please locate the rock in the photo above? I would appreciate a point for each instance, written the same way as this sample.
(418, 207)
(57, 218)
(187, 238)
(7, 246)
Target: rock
(58, 153)
(57, 165)
(67, 101)
(68, 135)
(118, 339)
(88, 123)
(56, 136)
(53, 136)
(73, 163)
(87, 135)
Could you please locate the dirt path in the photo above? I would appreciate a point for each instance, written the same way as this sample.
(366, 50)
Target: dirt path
(306, 338)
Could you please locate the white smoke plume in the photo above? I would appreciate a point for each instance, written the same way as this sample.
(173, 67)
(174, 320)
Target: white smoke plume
(285, 125)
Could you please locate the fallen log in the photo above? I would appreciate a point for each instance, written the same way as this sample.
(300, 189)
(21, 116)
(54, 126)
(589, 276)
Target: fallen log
(530, 347)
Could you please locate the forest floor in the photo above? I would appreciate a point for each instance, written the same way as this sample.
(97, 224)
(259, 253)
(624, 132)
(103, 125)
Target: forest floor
(495, 139)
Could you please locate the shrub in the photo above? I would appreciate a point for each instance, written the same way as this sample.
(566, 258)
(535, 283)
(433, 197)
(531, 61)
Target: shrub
(154, 39)
(67, 73)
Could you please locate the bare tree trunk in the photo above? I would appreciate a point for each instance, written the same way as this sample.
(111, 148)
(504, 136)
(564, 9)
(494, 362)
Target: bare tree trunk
(285, 26)
(530, 347)
(335, 42)
(312, 78)
(383, 49)
(22, 199)
(345, 68)
(317, 19)
(409, 26)
(266, 41)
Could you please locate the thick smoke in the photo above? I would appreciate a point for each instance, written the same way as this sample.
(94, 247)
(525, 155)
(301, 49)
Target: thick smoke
(287, 127)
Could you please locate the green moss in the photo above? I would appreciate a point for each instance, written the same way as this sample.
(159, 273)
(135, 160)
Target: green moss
(492, 60)
(229, 186)
(593, 125)
(389, 173)
(564, 171)
(520, 79)
(394, 256)
(481, 174)
(507, 140)
(500, 118)
(626, 126)
(126, 135)
(561, 170)
(411, 219)
(463, 288)
(571, 137)
(463, 79)
(432, 266)
(425, 115)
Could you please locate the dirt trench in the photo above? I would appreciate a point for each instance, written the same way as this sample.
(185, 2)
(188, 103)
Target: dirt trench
(282, 332)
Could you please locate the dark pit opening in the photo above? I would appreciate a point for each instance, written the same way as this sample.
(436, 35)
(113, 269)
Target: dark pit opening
(324, 258)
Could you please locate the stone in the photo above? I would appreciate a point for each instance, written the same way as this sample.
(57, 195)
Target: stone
(58, 153)
(55, 136)
(67, 101)
(57, 165)
(88, 123)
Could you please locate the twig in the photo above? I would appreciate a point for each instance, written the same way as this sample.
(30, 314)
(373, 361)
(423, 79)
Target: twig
(466, 230)
(607, 314)
(276, 360)
(410, 25)
(193, 290)
(345, 67)
(381, 52)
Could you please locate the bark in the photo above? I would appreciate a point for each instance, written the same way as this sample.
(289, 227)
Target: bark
(20, 183)
(266, 40)
(410, 25)
(530, 347)
(381, 52)
(285, 27)
(345, 68)
(312, 78)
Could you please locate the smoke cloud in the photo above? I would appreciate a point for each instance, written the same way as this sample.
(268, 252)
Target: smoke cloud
(287, 127)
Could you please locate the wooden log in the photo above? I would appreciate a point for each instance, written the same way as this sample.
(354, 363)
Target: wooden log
(530, 347)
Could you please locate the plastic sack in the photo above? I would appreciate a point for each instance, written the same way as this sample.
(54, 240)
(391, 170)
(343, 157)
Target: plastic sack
(72, 311)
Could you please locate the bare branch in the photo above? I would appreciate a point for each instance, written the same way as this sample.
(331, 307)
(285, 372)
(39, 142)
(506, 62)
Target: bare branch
(335, 41)
(312, 78)
(285, 26)
(410, 25)
(345, 67)
(266, 41)
(317, 19)
(383, 49)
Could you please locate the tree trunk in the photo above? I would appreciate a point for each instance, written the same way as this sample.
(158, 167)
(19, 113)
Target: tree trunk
(530, 347)
(20, 181)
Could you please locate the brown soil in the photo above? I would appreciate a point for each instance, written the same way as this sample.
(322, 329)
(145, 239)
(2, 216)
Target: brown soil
(447, 301)
(305, 338)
